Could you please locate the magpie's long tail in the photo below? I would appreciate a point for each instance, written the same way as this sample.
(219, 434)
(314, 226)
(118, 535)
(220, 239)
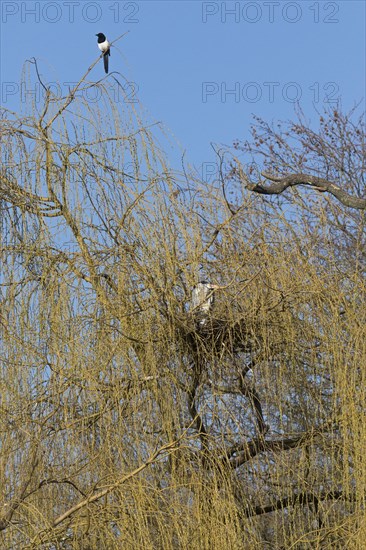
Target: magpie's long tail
(106, 60)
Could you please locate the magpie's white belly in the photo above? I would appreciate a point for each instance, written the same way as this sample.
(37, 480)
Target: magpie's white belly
(103, 46)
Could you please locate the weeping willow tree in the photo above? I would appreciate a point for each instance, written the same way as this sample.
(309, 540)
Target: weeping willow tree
(127, 423)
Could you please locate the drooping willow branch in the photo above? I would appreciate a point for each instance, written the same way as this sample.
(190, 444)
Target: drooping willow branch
(12, 192)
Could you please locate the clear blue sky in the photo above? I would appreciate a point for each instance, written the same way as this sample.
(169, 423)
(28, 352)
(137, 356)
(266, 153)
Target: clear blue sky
(185, 57)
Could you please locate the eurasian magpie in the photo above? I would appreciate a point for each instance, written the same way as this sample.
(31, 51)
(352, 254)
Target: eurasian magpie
(104, 47)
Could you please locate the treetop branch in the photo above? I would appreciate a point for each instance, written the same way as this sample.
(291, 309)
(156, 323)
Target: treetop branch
(322, 185)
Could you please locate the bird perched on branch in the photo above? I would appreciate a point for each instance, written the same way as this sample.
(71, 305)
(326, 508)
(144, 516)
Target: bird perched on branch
(203, 299)
(105, 48)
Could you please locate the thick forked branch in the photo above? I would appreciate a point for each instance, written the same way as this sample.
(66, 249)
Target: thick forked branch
(297, 499)
(252, 394)
(320, 184)
(239, 454)
(250, 449)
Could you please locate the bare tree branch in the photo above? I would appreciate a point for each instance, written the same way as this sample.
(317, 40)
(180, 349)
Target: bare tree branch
(259, 445)
(298, 499)
(319, 184)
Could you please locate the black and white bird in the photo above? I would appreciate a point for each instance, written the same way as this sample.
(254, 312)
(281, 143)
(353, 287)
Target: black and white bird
(203, 299)
(105, 48)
